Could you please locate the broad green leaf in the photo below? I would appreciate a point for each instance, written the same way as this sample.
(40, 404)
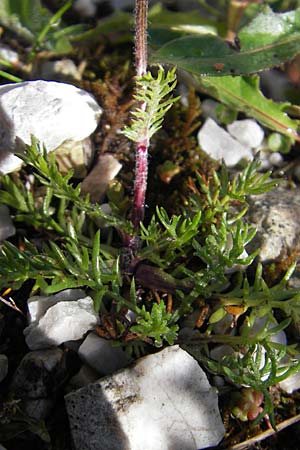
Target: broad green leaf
(243, 94)
(269, 40)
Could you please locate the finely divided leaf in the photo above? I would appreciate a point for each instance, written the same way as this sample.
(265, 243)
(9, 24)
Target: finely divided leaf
(267, 41)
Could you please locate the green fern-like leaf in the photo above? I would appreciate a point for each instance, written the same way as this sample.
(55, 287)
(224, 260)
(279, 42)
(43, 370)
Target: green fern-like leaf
(152, 106)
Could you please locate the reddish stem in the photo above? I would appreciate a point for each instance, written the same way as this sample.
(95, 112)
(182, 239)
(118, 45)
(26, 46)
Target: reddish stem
(141, 9)
(140, 186)
(141, 165)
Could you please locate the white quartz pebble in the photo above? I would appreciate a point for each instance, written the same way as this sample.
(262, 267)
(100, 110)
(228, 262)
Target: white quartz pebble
(247, 132)
(50, 111)
(219, 145)
(60, 318)
(291, 383)
(102, 355)
(164, 401)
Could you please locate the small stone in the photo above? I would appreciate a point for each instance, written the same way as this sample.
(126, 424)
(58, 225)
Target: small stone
(269, 160)
(3, 367)
(247, 132)
(275, 215)
(75, 156)
(65, 320)
(38, 305)
(37, 380)
(85, 376)
(8, 55)
(61, 70)
(31, 379)
(276, 159)
(7, 227)
(164, 401)
(86, 8)
(291, 383)
(96, 183)
(219, 145)
(51, 112)
(101, 355)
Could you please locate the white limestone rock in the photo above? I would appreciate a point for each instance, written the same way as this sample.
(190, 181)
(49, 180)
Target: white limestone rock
(8, 55)
(38, 305)
(101, 355)
(7, 227)
(61, 70)
(269, 160)
(247, 132)
(219, 145)
(291, 383)
(275, 215)
(52, 112)
(76, 156)
(97, 181)
(59, 318)
(164, 401)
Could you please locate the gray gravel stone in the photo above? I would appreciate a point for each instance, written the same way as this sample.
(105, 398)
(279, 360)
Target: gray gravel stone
(164, 401)
(37, 380)
(276, 217)
(104, 171)
(7, 227)
(101, 355)
(60, 70)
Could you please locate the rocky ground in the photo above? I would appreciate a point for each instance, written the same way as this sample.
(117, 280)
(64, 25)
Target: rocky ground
(64, 384)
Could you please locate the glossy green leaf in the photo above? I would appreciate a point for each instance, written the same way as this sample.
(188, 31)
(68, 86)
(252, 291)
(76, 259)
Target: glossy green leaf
(243, 94)
(269, 40)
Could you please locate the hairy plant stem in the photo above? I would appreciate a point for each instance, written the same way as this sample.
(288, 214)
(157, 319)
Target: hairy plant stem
(141, 165)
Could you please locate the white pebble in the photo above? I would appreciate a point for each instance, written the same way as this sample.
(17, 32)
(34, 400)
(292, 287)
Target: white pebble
(60, 318)
(247, 132)
(219, 145)
(50, 111)
(7, 227)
